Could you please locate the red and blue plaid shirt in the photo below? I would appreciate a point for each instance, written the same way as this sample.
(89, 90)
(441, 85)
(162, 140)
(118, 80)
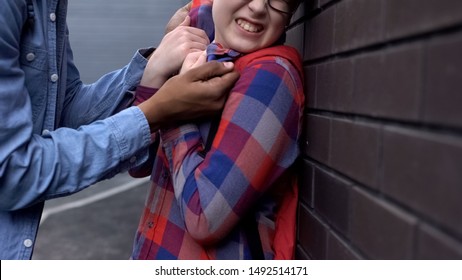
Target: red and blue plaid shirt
(195, 204)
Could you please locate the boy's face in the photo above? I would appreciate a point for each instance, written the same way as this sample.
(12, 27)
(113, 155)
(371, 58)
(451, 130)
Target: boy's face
(247, 25)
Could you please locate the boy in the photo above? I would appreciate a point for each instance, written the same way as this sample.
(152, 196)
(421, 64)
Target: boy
(219, 203)
(57, 135)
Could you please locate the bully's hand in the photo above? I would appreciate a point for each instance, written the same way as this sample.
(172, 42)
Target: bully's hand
(199, 92)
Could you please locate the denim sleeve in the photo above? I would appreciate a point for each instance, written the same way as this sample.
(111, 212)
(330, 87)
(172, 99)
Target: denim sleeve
(33, 167)
(108, 95)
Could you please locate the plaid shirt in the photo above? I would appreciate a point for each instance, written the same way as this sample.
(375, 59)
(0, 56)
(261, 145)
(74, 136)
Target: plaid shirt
(196, 203)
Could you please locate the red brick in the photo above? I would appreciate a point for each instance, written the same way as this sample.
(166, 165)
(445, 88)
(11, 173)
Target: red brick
(332, 199)
(379, 229)
(320, 32)
(306, 183)
(300, 11)
(443, 87)
(388, 84)
(410, 17)
(312, 234)
(323, 2)
(310, 86)
(358, 23)
(317, 138)
(423, 171)
(300, 254)
(338, 249)
(295, 40)
(334, 86)
(354, 150)
(435, 245)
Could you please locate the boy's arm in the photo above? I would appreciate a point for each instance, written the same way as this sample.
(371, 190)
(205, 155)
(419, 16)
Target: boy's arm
(255, 143)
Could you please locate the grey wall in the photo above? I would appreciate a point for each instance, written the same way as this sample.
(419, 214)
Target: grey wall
(382, 149)
(105, 34)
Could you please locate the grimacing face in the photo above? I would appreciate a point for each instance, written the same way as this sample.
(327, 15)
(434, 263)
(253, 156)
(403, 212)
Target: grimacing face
(247, 25)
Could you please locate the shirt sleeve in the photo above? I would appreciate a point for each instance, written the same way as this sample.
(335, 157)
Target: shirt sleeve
(142, 94)
(255, 143)
(110, 94)
(35, 167)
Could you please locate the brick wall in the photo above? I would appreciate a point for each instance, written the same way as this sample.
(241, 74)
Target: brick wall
(381, 164)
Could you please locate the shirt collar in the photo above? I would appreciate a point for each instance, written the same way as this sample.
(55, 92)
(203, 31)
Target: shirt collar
(215, 51)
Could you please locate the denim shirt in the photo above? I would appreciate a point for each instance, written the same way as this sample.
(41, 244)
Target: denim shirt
(57, 135)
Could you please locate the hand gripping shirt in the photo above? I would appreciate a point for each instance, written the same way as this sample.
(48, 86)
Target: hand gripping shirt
(57, 135)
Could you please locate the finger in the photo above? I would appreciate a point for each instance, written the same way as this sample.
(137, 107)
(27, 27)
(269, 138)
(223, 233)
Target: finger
(187, 34)
(186, 21)
(193, 60)
(195, 54)
(197, 34)
(192, 42)
(202, 58)
(192, 57)
(227, 80)
(209, 70)
(197, 47)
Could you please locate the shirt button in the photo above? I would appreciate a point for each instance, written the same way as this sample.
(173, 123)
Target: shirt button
(132, 159)
(28, 243)
(54, 78)
(53, 17)
(45, 132)
(30, 57)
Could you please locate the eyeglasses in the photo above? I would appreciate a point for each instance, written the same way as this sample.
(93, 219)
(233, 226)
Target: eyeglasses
(281, 6)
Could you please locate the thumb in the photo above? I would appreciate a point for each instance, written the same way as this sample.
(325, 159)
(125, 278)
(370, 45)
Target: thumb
(201, 59)
(211, 69)
(186, 21)
(222, 83)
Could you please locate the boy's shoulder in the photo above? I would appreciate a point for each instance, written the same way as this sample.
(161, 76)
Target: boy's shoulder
(270, 54)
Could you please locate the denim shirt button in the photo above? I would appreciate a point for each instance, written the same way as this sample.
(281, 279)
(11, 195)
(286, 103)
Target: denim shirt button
(28, 243)
(54, 78)
(30, 57)
(132, 159)
(45, 132)
(53, 17)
